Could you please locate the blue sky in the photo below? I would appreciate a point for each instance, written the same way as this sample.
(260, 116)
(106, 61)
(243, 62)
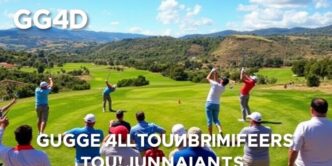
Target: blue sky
(180, 17)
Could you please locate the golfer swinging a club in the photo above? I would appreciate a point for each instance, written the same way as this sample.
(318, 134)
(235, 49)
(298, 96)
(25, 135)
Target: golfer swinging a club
(41, 95)
(107, 97)
(248, 83)
(213, 99)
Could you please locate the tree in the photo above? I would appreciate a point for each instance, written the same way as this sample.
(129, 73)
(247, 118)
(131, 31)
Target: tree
(315, 69)
(178, 73)
(298, 67)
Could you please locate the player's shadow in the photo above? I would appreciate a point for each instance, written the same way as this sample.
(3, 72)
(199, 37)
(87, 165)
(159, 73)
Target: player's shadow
(271, 122)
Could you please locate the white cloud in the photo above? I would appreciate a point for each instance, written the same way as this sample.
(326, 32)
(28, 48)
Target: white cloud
(281, 3)
(286, 19)
(192, 25)
(186, 18)
(261, 14)
(321, 4)
(195, 11)
(247, 8)
(168, 11)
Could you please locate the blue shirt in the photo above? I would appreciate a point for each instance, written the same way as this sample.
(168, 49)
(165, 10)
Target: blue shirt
(194, 153)
(41, 96)
(85, 151)
(144, 128)
(107, 90)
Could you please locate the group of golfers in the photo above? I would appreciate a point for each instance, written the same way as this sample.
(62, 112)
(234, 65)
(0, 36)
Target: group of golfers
(218, 85)
(312, 143)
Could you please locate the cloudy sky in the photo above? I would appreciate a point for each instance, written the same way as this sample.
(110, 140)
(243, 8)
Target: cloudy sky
(180, 17)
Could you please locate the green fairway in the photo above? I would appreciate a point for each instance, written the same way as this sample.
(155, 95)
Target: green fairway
(284, 75)
(159, 101)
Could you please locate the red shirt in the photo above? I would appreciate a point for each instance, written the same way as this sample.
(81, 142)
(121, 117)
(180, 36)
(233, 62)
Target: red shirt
(154, 153)
(247, 86)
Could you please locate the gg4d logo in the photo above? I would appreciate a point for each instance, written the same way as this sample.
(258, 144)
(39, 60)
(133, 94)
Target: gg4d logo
(66, 19)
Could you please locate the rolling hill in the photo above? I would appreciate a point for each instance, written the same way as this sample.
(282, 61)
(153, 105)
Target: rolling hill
(230, 50)
(270, 31)
(35, 38)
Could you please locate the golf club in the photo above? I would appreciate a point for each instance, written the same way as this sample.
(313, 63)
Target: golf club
(108, 76)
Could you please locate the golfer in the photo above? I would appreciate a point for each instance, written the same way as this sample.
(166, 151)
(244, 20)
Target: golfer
(107, 97)
(41, 95)
(213, 99)
(248, 83)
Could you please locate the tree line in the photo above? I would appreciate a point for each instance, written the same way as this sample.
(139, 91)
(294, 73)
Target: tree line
(22, 84)
(313, 70)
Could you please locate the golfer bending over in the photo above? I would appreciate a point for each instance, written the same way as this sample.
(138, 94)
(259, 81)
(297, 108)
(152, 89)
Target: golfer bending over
(249, 83)
(213, 99)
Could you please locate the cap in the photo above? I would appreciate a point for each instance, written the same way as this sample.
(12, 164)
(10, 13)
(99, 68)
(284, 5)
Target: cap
(120, 130)
(43, 84)
(90, 118)
(253, 77)
(178, 129)
(255, 116)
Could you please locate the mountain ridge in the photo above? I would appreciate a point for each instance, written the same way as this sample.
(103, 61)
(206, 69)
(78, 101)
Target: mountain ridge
(326, 30)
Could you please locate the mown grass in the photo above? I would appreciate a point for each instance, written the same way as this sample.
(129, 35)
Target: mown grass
(284, 75)
(159, 101)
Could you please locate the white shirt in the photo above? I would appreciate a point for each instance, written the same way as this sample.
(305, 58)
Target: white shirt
(27, 157)
(215, 91)
(313, 140)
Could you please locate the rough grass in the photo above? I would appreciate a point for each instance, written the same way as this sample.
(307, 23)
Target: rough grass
(160, 103)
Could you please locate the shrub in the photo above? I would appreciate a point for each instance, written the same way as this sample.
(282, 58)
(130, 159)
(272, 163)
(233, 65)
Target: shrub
(178, 74)
(313, 80)
(235, 75)
(261, 79)
(25, 91)
(139, 81)
(40, 69)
